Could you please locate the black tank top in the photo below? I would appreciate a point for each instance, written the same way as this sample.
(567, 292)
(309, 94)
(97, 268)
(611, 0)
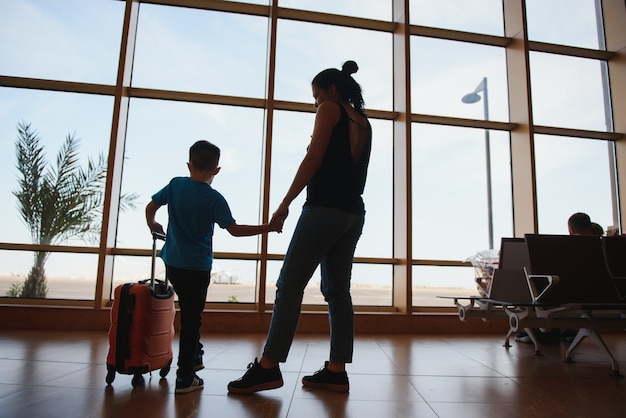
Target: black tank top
(339, 182)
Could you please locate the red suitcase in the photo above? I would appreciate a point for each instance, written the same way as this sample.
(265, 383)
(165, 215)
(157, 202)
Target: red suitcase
(142, 327)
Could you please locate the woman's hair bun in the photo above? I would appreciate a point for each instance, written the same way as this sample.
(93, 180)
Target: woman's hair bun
(349, 67)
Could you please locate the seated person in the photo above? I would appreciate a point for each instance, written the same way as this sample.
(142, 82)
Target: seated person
(596, 229)
(580, 224)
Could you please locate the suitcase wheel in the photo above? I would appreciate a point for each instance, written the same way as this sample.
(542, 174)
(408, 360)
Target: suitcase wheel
(110, 374)
(137, 380)
(165, 370)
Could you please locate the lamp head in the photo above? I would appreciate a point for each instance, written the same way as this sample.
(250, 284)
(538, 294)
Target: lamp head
(471, 98)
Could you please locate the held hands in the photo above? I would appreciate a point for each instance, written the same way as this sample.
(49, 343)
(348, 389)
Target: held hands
(279, 216)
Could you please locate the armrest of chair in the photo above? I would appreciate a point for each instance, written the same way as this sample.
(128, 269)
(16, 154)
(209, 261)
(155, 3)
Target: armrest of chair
(539, 284)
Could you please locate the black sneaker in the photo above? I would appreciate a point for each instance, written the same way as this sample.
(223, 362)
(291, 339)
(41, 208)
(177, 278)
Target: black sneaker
(325, 379)
(257, 378)
(186, 385)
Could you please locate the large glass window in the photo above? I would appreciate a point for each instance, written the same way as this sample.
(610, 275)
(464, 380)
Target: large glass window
(52, 117)
(63, 275)
(568, 92)
(159, 135)
(450, 194)
(480, 16)
(305, 49)
(432, 282)
(573, 175)
(546, 22)
(461, 183)
(232, 281)
(200, 51)
(70, 40)
(443, 72)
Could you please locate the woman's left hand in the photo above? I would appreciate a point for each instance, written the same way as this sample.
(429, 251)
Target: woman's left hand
(280, 214)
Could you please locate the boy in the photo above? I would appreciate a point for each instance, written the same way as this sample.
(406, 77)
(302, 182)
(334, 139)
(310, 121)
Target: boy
(193, 209)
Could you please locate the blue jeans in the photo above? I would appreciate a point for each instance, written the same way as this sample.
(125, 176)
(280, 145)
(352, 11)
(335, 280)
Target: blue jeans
(325, 237)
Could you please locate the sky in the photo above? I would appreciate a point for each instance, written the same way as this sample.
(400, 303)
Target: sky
(210, 52)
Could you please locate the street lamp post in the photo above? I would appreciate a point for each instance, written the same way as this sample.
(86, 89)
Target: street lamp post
(470, 98)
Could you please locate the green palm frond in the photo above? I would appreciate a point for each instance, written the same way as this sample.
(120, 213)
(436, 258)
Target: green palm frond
(128, 201)
(60, 202)
(30, 164)
(66, 161)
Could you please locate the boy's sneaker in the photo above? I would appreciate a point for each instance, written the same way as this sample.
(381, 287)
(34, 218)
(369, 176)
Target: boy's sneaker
(256, 378)
(325, 379)
(186, 385)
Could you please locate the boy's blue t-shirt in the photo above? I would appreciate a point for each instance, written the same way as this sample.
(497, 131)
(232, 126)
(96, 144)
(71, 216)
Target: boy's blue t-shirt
(193, 207)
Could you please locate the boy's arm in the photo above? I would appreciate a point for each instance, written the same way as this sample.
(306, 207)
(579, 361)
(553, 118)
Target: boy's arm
(237, 230)
(151, 210)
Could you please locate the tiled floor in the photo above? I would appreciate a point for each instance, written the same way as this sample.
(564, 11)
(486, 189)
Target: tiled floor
(62, 374)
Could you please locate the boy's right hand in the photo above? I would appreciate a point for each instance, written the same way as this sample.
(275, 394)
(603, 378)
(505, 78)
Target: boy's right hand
(156, 227)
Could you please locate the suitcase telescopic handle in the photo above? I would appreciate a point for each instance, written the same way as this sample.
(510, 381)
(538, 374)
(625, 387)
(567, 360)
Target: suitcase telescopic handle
(155, 236)
(158, 235)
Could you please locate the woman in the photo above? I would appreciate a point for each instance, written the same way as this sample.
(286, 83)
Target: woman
(333, 171)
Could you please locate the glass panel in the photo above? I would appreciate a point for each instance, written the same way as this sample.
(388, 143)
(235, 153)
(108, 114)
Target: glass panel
(65, 275)
(370, 9)
(53, 116)
(291, 136)
(429, 282)
(479, 16)
(71, 40)
(573, 175)
(157, 149)
(289, 147)
(578, 26)
(305, 49)
(443, 72)
(450, 198)
(371, 285)
(377, 237)
(200, 51)
(567, 92)
(232, 281)
(131, 269)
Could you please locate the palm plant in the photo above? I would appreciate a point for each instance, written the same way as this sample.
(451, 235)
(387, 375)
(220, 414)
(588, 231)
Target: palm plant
(58, 202)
